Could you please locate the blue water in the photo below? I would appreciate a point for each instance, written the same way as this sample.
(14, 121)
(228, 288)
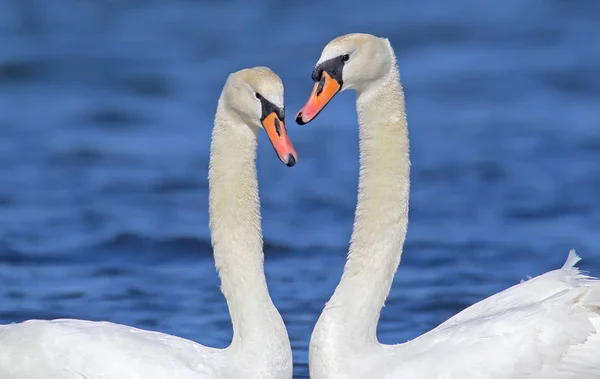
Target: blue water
(106, 110)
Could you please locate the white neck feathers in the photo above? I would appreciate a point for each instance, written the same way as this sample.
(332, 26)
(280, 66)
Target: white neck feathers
(381, 217)
(234, 211)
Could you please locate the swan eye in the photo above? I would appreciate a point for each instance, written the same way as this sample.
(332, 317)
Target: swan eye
(258, 95)
(345, 57)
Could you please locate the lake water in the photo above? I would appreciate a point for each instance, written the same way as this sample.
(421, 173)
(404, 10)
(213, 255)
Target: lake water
(106, 109)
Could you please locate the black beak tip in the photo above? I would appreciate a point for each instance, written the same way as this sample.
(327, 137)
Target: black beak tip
(299, 120)
(291, 161)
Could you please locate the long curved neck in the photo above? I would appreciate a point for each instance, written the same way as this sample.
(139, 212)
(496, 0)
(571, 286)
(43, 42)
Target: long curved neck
(381, 216)
(234, 212)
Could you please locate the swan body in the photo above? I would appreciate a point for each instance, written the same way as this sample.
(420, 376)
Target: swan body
(545, 328)
(260, 349)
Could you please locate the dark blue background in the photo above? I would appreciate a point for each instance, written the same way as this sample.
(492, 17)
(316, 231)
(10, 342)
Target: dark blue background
(106, 110)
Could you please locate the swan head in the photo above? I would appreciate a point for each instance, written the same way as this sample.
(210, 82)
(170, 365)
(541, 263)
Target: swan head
(352, 61)
(255, 95)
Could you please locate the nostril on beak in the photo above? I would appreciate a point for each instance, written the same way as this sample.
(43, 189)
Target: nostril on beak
(291, 161)
(320, 86)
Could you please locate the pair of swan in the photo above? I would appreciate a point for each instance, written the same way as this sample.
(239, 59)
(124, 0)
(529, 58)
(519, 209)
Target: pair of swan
(546, 327)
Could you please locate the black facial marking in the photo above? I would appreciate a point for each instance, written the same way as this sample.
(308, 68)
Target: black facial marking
(333, 67)
(317, 73)
(268, 108)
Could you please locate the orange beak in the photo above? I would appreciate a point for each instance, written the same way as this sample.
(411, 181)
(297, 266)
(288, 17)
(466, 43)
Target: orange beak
(324, 90)
(278, 136)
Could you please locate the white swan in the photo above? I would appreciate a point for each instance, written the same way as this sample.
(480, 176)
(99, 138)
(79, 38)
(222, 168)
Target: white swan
(547, 327)
(69, 349)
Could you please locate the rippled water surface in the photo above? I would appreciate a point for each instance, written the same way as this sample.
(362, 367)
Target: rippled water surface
(105, 114)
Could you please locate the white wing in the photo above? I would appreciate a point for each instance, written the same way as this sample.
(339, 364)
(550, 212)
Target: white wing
(545, 328)
(75, 349)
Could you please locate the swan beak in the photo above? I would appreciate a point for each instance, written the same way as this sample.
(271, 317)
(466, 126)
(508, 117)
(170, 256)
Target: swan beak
(278, 136)
(324, 90)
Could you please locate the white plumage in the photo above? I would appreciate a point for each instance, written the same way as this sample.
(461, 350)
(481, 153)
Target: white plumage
(547, 327)
(260, 349)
